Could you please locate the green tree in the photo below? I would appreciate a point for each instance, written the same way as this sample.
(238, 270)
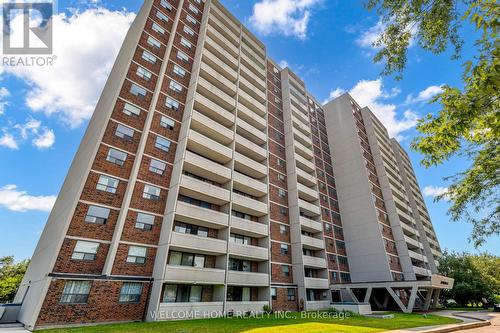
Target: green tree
(11, 275)
(468, 123)
(476, 276)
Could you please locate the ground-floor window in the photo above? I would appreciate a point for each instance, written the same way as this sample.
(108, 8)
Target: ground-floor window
(131, 293)
(182, 293)
(238, 294)
(76, 292)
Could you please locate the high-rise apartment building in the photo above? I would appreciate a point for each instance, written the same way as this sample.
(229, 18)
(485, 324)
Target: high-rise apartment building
(205, 184)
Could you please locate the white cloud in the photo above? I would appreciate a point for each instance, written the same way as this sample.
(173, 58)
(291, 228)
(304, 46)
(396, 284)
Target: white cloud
(372, 94)
(424, 95)
(370, 36)
(334, 94)
(7, 140)
(86, 44)
(434, 191)
(286, 17)
(4, 93)
(44, 140)
(20, 201)
(283, 64)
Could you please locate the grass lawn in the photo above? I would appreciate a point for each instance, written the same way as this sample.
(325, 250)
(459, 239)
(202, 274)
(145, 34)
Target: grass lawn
(354, 324)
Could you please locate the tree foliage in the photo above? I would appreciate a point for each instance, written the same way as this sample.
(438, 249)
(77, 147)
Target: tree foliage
(476, 277)
(468, 123)
(11, 275)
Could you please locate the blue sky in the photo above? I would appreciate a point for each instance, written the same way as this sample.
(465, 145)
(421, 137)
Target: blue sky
(44, 111)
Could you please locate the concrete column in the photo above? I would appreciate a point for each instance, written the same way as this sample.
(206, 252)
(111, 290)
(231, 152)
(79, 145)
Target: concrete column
(413, 297)
(437, 292)
(428, 299)
(368, 294)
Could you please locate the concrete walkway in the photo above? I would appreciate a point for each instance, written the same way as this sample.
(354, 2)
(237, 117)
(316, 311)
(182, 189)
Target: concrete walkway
(473, 322)
(12, 328)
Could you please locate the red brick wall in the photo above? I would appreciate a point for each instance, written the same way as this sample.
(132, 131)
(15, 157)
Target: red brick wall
(64, 263)
(79, 228)
(282, 303)
(122, 267)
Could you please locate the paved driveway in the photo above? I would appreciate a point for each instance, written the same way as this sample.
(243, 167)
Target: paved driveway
(494, 317)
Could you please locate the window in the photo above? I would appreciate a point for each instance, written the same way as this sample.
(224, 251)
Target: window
(131, 110)
(144, 221)
(130, 292)
(151, 192)
(161, 16)
(193, 9)
(182, 56)
(290, 294)
(124, 132)
(153, 42)
(281, 177)
(97, 215)
(107, 184)
(273, 294)
(283, 211)
(172, 104)
(166, 5)
(285, 270)
(175, 87)
(240, 265)
(328, 227)
(185, 228)
(137, 255)
(238, 294)
(179, 71)
(144, 73)
(345, 277)
(283, 229)
(116, 157)
(191, 19)
(186, 259)
(85, 251)
(167, 123)
(138, 91)
(186, 43)
(157, 167)
(281, 193)
(162, 144)
(335, 276)
(281, 162)
(76, 292)
(284, 249)
(156, 27)
(182, 293)
(148, 57)
(343, 260)
(240, 239)
(188, 30)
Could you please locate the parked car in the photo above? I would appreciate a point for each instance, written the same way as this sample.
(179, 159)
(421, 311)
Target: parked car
(496, 307)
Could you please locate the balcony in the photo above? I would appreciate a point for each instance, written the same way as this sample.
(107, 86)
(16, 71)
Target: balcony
(248, 205)
(247, 279)
(217, 79)
(251, 117)
(412, 243)
(304, 164)
(259, 59)
(205, 146)
(216, 95)
(421, 271)
(318, 305)
(252, 64)
(309, 208)
(408, 230)
(250, 149)
(314, 262)
(306, 178)
(194, 275)
(204, 217)
(254, 79)
(213, 110)
(315, 283)
(241, 308)
(249, 228)
(300, 115)
(250, 132)
(205, 245)
(215, 55)
(312, 243)
(307, 193)
(303, 151)
(209, 127)
(225, 19)
(199, 165)
(251, 103)
(304, 129)
(252, 90)
(310, 225)
(249, 185)
(248, 166)
(300, 137)
(417, 256)
(222, 41)
(204, 191)
(240, 251)
(251, 42)
(223, 29)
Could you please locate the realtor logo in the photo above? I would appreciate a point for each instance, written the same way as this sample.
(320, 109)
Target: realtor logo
(27, 28)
